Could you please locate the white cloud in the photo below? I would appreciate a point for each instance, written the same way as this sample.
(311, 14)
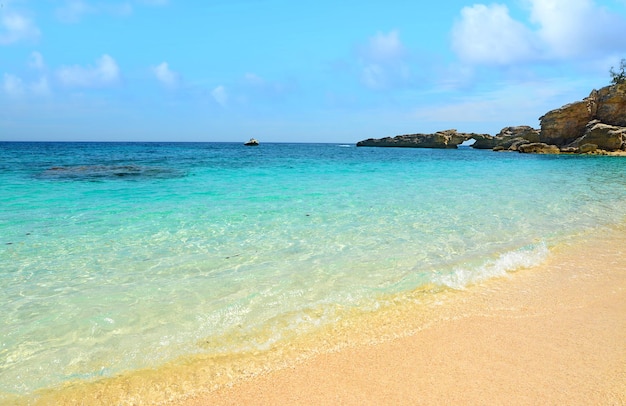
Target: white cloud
(13, 85)
(570, 28)
(383, 61)
(74, 10)
(220, 95)
(555, 30)
(106, 72)
(15, 27)
(164, 75)
(36, 61)
(384, 47)
(488, 34)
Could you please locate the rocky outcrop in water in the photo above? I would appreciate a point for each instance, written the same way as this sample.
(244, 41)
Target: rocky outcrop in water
(509, 138)
(440, 139)
(596, 124)
(599, 119)
(604, 136)
(539, 148)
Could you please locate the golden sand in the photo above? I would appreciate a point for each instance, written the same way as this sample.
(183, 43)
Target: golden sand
(554, 334)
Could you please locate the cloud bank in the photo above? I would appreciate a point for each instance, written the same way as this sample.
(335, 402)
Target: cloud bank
(105, 73)
(383, 59)
(554, 30)
(15, 27)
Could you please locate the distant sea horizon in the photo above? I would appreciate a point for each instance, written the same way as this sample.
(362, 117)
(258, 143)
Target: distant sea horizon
(241, 142)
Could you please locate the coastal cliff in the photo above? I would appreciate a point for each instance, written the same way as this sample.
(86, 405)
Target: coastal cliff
(599, 119)
(597, 124)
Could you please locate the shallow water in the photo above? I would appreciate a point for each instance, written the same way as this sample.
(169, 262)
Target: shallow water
(117, 257)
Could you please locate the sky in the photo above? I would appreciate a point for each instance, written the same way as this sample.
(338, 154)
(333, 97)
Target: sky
(288, 71)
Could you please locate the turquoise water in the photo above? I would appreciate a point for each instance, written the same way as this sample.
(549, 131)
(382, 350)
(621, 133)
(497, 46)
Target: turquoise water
(115, 257)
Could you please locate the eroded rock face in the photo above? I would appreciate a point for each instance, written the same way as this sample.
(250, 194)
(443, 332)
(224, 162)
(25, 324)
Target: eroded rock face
(610, 105)
(564, 125)
(604, 136)
(598, 123)
(599, 119)
(587, 148)
(521, 131)
(539, 148)
(440, 139)
(509, 138)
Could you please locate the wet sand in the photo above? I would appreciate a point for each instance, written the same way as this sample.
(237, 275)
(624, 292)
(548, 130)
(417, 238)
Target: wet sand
(550, 335)
(554, 335)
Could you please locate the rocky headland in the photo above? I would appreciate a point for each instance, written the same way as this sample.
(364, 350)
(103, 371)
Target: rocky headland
(440, 139)
(595, 125)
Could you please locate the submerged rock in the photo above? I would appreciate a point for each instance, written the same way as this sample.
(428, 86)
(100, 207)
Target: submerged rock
(102, 172)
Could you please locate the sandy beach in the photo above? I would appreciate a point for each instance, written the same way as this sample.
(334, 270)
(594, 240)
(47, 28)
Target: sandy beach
(551, 335)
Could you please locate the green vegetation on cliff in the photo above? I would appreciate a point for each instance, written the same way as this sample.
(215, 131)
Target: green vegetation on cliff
(618, 77)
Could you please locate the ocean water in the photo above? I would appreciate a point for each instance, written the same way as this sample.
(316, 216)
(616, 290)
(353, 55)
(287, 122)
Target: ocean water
(120, 256)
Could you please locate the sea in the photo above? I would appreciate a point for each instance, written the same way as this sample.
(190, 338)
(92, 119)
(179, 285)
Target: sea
(125, 257)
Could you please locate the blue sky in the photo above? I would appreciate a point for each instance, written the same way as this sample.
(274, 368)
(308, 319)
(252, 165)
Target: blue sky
(285, 71)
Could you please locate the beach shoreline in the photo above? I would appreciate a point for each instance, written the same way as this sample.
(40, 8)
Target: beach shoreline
(550, 334)
(555, 334)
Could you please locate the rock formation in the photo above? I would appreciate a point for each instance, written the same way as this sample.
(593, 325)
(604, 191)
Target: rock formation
(604, 136)
(440, 139)
(599, 119)
(539, 148)
(594, 125)
(609, 105)
(564, 125)
(509, 138)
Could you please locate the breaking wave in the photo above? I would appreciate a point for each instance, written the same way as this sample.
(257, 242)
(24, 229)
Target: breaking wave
(511, 261)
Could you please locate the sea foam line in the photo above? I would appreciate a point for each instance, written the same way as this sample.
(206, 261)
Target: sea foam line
(511, 261)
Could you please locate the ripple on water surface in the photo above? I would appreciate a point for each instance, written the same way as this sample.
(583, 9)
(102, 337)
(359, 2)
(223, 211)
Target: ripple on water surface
(218, 249)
